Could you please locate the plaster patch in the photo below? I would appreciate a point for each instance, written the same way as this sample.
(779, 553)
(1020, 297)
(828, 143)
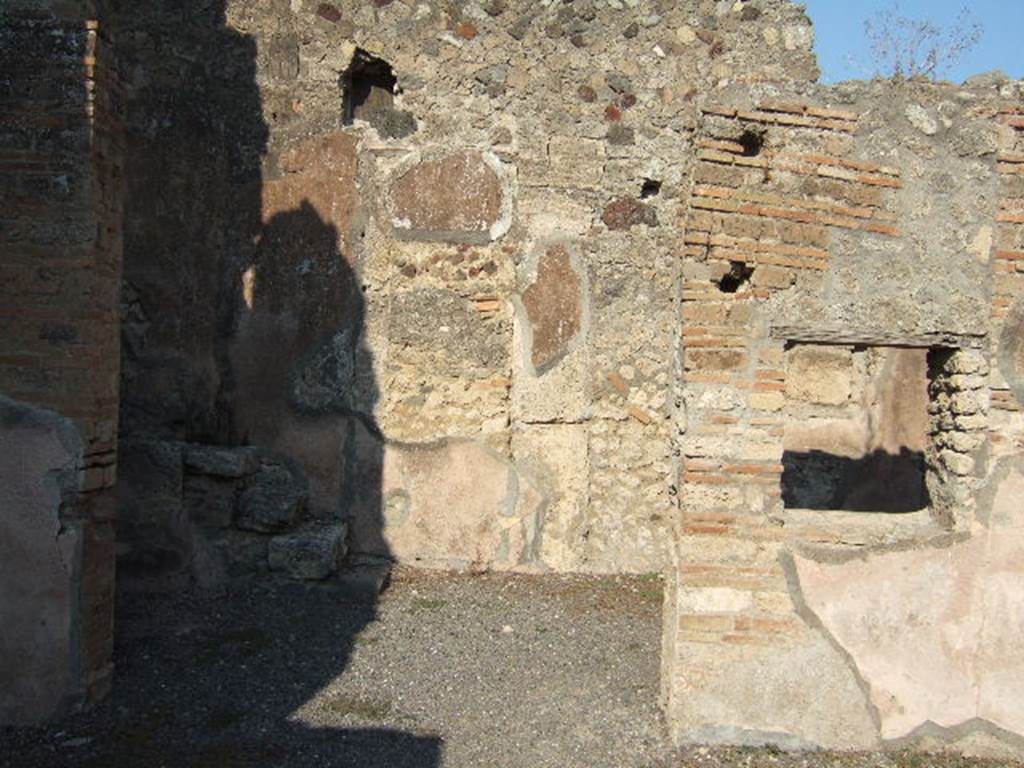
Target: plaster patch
(934, 632)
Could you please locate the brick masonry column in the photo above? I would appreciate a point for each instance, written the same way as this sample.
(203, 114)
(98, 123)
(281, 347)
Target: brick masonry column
(748, 235)
(60, 233)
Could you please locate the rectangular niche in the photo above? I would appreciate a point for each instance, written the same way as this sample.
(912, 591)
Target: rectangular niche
(856, 428)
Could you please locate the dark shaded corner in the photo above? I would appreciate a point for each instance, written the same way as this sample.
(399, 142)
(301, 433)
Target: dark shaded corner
(247, 436)
(877, 482)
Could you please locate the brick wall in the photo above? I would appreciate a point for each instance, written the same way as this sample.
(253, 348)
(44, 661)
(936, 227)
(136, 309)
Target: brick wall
(1008, 261)
(787, 204)
(750, 220)
(750, 232)
(60, 273)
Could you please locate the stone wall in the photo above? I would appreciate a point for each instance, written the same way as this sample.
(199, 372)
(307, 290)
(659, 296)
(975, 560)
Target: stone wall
(848, 260)
(406, 245)
(59, 282)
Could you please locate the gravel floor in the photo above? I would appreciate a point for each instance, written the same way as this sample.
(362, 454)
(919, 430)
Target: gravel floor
(446, 670)
(453, 671)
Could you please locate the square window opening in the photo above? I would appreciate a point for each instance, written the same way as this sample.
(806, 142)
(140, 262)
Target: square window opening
(856, 428)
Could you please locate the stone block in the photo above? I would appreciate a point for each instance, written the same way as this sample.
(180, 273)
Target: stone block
(838, 437)
(273, 500)
(773, 277)
(624, 213)
(565, 161)
(819, 374)
(312, 554)
(767, 401)
(715, 359)
(711, 600)
(957, 463)
(220, 462)
(966, 403)
(551, 213)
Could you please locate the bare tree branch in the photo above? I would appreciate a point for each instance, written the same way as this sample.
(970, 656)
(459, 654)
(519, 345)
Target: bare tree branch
(904, 47)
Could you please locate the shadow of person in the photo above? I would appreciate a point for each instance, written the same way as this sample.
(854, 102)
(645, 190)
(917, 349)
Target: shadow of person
(238, 331)
(302, 378)
(254, 677)
(248, 679)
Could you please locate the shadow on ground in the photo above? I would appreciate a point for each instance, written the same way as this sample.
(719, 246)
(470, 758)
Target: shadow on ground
(464, 671)
(243, 325)
(225, 682)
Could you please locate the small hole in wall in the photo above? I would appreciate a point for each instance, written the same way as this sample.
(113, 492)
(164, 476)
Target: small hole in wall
(650, 188)
(369, 85)
(752, 143)
(739, 274)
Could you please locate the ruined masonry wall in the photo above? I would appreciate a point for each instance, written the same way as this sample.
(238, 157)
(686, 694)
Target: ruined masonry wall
(1006, 395)
(822, 221)
(551, 297)
(455, 314)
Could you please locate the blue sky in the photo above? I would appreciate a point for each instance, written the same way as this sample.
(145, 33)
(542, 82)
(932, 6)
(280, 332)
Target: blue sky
(839, 31)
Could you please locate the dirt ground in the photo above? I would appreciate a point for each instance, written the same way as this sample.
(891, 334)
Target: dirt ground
(445, 670)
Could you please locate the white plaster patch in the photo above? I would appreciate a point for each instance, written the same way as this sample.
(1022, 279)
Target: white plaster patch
(715, 600)
(981, 245)
(921, 119)
(934, 633)
(249, 286)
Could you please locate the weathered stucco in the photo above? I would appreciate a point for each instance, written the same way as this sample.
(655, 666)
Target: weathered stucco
(459, 260)
(40, 564)
(932, 632)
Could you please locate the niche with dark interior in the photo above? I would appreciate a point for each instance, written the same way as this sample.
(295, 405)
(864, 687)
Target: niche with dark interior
(856, 428)
(739, 274)
(369, 86)
(650, 188)
(752, 142)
